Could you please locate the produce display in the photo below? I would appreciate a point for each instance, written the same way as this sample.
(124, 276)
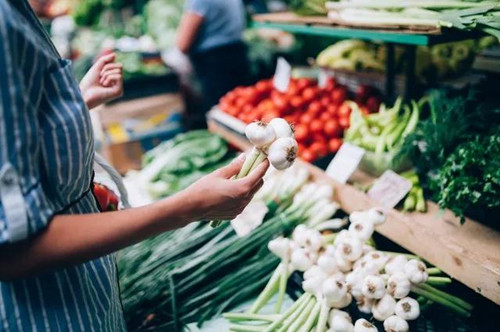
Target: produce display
(435, 62)
(342, 268)
(198, 272)
(463, 15)
(318, 114)
(177, 163)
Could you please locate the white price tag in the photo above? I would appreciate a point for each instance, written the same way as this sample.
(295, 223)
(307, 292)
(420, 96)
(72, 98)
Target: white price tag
(251, 218)
(345, 162)
(389, 189)
(282, 76)
(323, 77)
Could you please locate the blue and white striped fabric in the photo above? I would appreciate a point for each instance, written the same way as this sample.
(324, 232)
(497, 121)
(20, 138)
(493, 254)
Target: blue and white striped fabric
(46, 160)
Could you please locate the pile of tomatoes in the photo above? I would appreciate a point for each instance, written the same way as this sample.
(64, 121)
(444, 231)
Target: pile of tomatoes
(319, 114)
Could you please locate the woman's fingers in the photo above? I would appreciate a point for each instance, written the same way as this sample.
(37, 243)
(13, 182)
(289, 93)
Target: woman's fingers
(111, 66)
(109, 79)
(252, 179)
(233, 168)
(112, 72)
(105, 59)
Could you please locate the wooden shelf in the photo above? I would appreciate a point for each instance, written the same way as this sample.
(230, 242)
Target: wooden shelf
(326, 27)
(469, 253)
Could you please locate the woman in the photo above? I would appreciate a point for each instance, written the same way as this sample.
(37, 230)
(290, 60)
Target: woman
(210, 32)
(57, 270)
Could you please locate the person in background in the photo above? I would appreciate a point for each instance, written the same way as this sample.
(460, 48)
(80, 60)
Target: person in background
(57, 262)
(210, 33)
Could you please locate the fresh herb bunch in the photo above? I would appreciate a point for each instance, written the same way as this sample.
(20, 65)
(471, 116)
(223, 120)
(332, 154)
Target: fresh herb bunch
(470, 177)
(308, 7)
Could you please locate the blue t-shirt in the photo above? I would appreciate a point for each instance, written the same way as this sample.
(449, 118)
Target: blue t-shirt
(223, 22)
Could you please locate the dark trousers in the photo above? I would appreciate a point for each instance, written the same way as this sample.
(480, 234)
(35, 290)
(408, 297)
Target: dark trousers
(220, 70)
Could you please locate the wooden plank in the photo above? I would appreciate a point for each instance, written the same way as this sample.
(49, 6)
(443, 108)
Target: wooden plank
(469, 253)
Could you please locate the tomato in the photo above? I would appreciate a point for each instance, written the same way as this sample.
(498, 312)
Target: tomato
(240, 102)
(315, 107)
(325, 101)
(303, 83)
(232, 111)
(334, 144)
(332, 110)
(332, 128)
(263, 86)
(344, 122)
(269, 115)
(316, 126)
(306, 119)
(308, 155)
(319, 137)
(344, 110)
(296, 102)
(247, 108)
(339, 94)
(319, 148)
(309, 93)
(373, 104)
(325, 116)
(330, 84)
(301, 132)
(300, 149)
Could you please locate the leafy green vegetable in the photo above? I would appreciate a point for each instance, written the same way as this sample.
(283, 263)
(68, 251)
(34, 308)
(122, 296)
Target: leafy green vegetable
(308, 7)
(470, 177)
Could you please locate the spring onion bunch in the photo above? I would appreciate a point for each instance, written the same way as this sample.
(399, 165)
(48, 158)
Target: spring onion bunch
(340, 272)
(274, 141)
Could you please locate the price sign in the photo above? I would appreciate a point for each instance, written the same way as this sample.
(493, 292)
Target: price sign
(323, 77)
(282, 76)
(345, 162)
(389, 189)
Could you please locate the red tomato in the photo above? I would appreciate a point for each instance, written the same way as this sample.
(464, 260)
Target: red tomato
(293, 90)
(319, 138)
(263, 86)
(316, 126)
(308, 155)
(269, 115)
(334, 144)
(247, 108)
(314, 107)
(300, 149)
(344, 122)
(344, 110)
(330, 84)
(325, 101)
(373, 104)
(332, 128)
(309, 93)
(319, 148)
(332, 109)
(296, 102)
(301, 132)
(339, 94)
(306, 119)
(232, 111)
(325, 116)
(303, 83)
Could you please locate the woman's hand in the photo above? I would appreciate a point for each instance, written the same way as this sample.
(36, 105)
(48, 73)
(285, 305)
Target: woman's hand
(103, 82)
(217, 196)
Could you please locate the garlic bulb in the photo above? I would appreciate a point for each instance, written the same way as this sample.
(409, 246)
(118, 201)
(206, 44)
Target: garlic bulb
(398, 285)
(364, 304)
(407, 308)
(282, 152)
(354, 281)
(351, 249)
(328, 264)
(313, 272)
(357, 216)
(280, 247)
(281, 128)
(342, 303)
(362, 231)
(396, 324)
(333, 290)
(299, 235)
(362, 325)
(373, 287)
(376, 216)
(396, 264)
(384, 308)
(340, 321)
(416, 271)
(314, 240)
(343, 264)
(260, 134)
(301, 260)
(367, 249)
(313, 285)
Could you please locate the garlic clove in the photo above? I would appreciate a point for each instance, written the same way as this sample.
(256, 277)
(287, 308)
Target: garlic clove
(373, 287)
(282, 153)
(384, 308)
(407, 309)
(396, 324)
(362, 325)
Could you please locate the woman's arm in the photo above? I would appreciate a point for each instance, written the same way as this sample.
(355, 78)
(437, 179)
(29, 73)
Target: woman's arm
(188, 31)
(73, 239)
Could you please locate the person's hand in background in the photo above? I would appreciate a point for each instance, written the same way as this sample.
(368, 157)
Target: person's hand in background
(103, 82)
(218, 196)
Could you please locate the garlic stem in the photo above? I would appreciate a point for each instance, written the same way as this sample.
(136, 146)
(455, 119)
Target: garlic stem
(323, 316)
(433, 271)
(237, 316)
(246, 328)
(443, 301)
(312, 318)
(302, 317)
(267, 293)
(290, 311)
(295, 315)
(249, 161)
(259, 160)
(282, 286)
(438, 281)
(458, 301)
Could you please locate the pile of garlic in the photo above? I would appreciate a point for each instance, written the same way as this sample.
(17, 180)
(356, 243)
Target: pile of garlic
(350, 269)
